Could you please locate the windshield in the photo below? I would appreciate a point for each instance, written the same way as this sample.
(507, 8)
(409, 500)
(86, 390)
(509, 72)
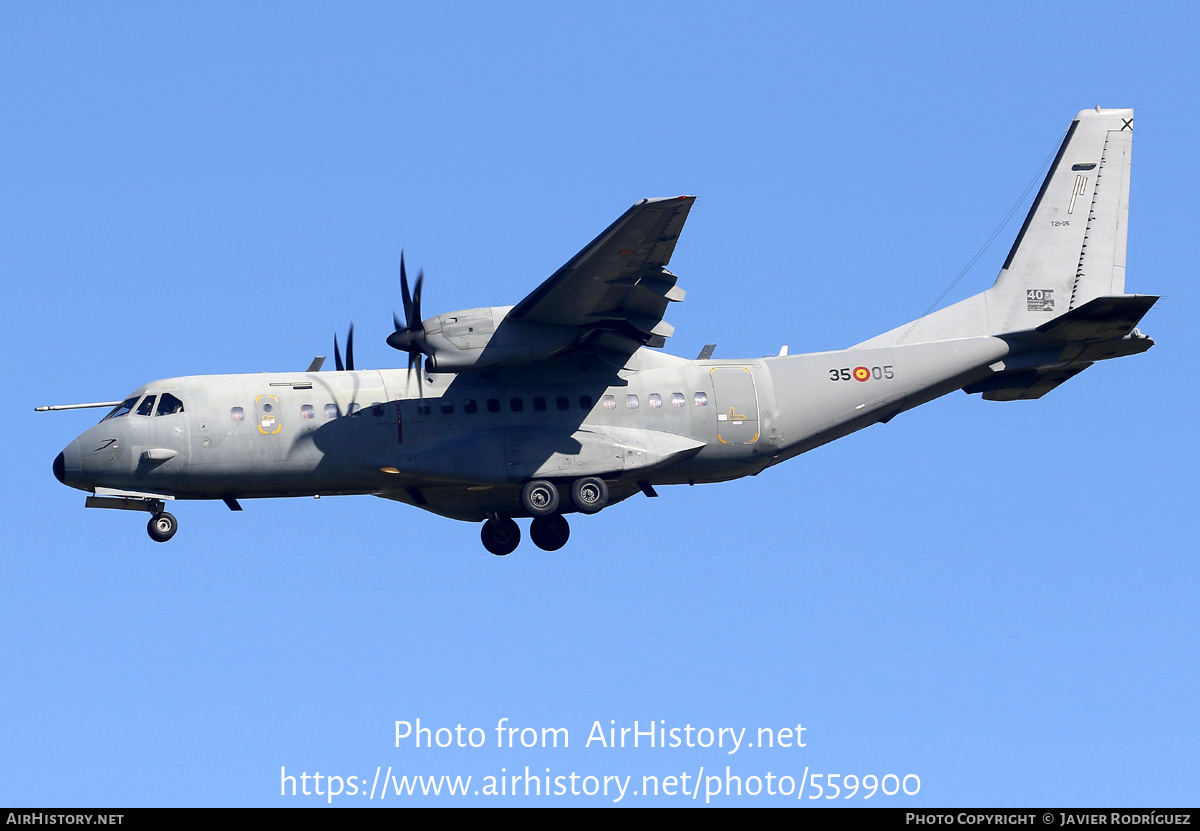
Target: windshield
(122, 409)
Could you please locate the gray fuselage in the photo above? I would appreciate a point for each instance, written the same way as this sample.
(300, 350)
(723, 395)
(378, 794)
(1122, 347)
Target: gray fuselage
(464, 450)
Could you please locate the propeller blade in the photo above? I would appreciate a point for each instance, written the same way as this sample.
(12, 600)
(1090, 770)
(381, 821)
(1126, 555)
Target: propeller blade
(417, 320)
(337, 355)
(350, 349)
(405, 296)
(414, 359)
(409, 336)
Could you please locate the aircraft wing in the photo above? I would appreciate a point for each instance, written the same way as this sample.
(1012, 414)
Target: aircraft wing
(616, 290)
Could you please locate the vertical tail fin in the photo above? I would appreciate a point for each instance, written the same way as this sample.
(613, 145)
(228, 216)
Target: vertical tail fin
(1071, 248)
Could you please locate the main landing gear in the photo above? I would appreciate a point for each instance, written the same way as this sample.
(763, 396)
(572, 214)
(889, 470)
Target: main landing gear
(549, 533)
(500, 535)
(549, 529)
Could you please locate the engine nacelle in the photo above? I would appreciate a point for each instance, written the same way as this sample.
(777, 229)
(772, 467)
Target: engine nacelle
(476, 340)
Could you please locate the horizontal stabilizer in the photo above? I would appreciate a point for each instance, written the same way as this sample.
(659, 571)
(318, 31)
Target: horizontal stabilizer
(1102, 318)
(1023, 384)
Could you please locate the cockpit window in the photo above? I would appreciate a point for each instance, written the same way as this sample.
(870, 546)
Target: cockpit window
(122, 409)
(147, 406)
(168, 405)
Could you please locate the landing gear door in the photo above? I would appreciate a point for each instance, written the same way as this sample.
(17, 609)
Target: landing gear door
(737, 404)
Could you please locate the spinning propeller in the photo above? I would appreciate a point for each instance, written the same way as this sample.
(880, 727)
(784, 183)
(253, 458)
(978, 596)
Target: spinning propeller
(410, 337)
(337, 355)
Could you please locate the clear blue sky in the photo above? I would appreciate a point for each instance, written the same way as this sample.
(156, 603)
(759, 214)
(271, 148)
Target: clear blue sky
(997, 597)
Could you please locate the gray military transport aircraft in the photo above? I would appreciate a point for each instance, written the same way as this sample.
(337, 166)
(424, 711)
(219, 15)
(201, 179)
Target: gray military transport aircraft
(562, 403)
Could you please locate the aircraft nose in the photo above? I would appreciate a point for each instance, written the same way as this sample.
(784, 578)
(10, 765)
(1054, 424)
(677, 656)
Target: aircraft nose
(66, 463)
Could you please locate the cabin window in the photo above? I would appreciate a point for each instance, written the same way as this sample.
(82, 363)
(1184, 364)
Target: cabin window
(237, 414)
(353, 410)
(631, 402)
(562, 402)
(493, 405)
(147, 406)
(423, 409)
(539, 404)
(585, 402)
(331, 411)
(655, 401)
(470, 405)
(447, 408)
(677, 399)
(308, 411)
(701, 399)
(377, 409)
(516, 404)
(608, 402)
(168, 405)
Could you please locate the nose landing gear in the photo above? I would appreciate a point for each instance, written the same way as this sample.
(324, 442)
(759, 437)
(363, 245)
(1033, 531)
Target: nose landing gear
(162, 526)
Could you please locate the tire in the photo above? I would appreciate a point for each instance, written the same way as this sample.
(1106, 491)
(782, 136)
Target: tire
(162, 526)
(500, 537)
(539, 498)
(589, 494)
(549, 533)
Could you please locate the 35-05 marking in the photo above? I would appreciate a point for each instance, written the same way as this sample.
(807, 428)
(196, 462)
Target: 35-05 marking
(862, 373)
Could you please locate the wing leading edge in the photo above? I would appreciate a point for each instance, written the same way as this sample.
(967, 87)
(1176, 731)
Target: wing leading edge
(616, 290)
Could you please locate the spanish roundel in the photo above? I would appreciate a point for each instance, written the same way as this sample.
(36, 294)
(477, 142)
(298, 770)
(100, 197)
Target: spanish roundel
(861, 373)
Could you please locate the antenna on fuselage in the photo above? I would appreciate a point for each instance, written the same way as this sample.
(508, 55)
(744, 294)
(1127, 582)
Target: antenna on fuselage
(75, 406)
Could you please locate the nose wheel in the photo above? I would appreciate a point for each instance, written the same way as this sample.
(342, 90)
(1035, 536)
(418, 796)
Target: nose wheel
(162, 526)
